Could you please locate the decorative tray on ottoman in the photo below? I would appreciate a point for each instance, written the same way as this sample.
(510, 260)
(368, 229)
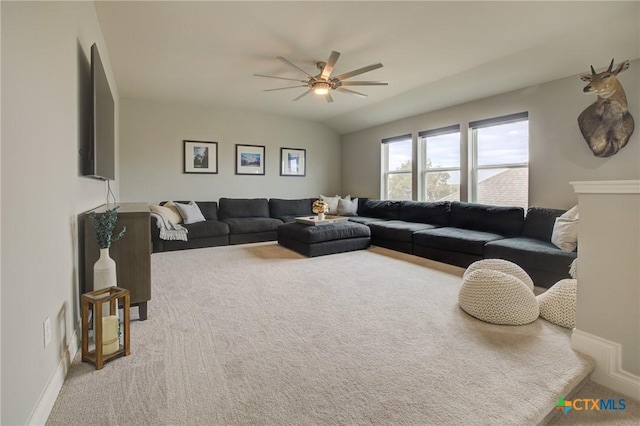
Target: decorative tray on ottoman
(328, 220)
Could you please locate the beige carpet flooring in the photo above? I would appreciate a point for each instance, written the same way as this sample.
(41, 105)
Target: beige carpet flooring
(257, 334)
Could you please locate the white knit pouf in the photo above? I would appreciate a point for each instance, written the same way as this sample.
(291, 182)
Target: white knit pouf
(498, 298)
(558, 304)
(503, 266)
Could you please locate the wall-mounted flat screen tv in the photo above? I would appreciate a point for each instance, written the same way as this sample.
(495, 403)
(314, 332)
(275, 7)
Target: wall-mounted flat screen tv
(100, 158)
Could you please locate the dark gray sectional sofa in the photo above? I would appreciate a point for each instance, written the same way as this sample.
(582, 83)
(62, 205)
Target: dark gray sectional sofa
(457, 233)
(235, 221)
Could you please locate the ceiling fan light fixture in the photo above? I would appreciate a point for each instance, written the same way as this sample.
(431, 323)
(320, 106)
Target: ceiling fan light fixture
(321, 88)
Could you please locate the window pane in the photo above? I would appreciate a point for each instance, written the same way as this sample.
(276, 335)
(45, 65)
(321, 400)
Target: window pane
(442, 186)
(399, 187)
(400, 154)
(503, 144)
(504, 187)
(443, 150)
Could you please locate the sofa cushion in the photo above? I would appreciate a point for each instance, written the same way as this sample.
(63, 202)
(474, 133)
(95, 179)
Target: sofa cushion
(365, 220)
(209, 209)
(383, 209)
(539, 222)
(502, 220)
(243, 207)
(249, 225)
(288, 210)
(436, 213)
(209, 228)
(455, 239)
(531, 253)
(396, 229)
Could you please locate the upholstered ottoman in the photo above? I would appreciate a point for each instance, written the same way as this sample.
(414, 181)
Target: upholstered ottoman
(319, 240)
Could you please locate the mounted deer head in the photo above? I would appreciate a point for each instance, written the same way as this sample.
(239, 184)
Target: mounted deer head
(606, 125)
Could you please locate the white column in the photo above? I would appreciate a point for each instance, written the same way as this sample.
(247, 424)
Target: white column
(608, 310)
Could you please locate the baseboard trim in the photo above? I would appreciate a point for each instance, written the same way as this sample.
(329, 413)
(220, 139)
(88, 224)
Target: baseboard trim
(48, 398)
(608, 358)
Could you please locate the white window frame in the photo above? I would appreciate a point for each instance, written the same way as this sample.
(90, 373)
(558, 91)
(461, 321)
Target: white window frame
(386, 173)
(423, 168)
(474, 167)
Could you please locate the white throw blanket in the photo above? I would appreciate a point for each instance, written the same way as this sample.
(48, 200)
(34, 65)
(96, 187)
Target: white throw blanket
(170, 230)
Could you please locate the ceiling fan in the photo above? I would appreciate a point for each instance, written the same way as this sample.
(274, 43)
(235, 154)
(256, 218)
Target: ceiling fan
(323, 83)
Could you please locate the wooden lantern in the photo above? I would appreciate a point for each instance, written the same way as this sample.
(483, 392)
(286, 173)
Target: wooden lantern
(94, 301)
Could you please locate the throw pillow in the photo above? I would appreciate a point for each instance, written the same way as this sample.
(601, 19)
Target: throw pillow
(167, 213)
(348, 207)
(190, 212)
(573, 269)
(333, 203)
(565, 230)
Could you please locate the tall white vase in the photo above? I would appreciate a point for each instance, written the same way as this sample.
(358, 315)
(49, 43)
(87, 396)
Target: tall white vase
(321, 216)
(104, 271)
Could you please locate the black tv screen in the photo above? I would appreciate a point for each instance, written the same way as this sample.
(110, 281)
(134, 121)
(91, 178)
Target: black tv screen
(101, 156)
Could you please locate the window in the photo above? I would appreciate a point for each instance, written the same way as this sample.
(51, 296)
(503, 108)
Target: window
(500, 161)
(440, 164)
(397, 168)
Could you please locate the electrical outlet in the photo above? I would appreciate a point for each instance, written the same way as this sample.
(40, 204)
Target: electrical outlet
(47, 331)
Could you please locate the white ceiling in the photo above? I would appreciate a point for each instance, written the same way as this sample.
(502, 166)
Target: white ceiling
(435, 54)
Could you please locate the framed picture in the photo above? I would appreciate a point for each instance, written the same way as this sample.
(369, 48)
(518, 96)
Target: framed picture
(200, 157)
(249, 159)
(293, 162)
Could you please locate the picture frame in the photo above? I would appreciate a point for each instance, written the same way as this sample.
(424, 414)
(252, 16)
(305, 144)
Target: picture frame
(293, 162)
(200, 157)
(250, 159)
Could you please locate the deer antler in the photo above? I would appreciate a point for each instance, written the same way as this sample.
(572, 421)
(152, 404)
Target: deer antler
(593, 72)
(610, 65)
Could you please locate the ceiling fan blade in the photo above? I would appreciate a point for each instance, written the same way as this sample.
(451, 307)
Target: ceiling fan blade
(328, 98)
(295, 67)
(282, 88)
(281, 78)
(303, 94)
(326, 71)
(359, 71)
(351, 92)
(364, 83)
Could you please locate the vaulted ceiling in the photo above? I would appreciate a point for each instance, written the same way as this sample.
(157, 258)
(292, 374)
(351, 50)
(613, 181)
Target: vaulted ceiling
(435, 54)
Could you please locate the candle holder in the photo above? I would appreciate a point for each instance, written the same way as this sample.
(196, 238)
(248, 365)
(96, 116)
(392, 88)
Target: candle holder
(104, 351)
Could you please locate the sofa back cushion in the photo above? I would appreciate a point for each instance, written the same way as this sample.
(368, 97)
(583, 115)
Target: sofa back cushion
(539, 223)
(279, 208)
(209, 209)
(436, 213)
(383, 209)
(243, 207)
(501, 220)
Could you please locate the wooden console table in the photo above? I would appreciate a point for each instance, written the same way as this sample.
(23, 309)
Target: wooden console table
(132, 252)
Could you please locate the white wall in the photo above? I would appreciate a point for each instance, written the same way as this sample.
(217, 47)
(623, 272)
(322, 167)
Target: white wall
(558, 153)
(45, 66)
(151, 157)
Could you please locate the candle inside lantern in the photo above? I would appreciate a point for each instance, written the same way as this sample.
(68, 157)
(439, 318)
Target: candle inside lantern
(110, 342)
